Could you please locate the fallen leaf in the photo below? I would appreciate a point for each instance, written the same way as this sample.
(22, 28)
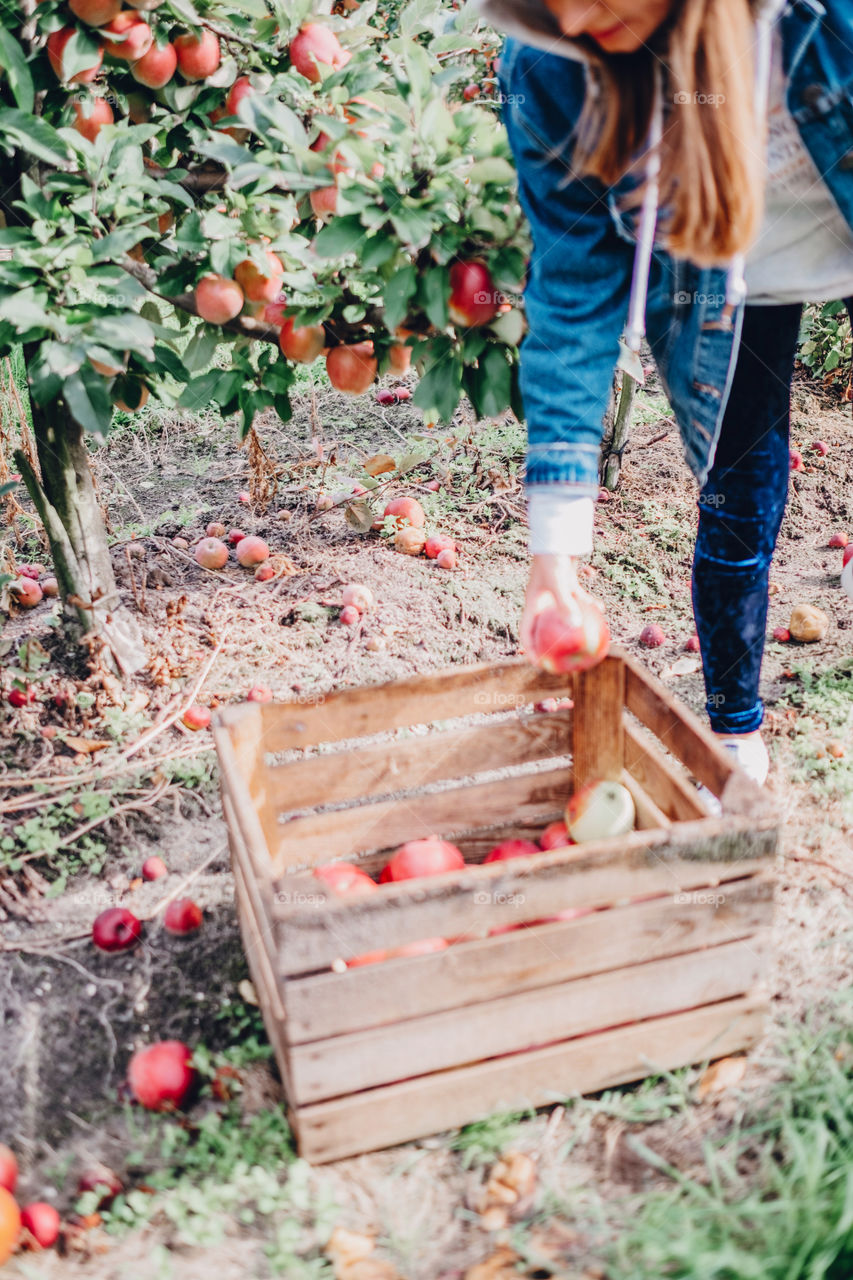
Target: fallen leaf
(379, 464)
(721, 1075)
(500, 1266)
(283, 565)
(85, 745)
(359, 516)
(682, 667)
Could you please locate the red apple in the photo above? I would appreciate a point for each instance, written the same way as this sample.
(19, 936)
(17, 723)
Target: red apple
(196, 717)
(95, 12)
(156, 67)
(235, 536)
(211, 553)
(352, 368)
(555, 836)
(316, 44)
(26, 592)
(8, 1169)
(350, 616)
(820, 447)
(473, 297)
(198, 55)
(420, 948)
(345, 877)
(154, 868)
(446, 559)
(251, 551)
(56, 43)
(259, 693)
(386, 397)
(17, 698)
(116, 929)
(599, 811)
(782, 634)
(240, 89)
(42, 1222)
(161, 1075)
(429, 857)
(437, 543)
(91, 115)
(559, 646)
(182, 916)
(303, 344)
(218, 299)
(137, 36)
(652, 636)
(511, 849)
(264, 572)
(50, 588)
(405, 509)
(848, 555)
(796, 458)
(357, 595)
(215, 530)
(838, 539)
(260, 286)
(691, 644)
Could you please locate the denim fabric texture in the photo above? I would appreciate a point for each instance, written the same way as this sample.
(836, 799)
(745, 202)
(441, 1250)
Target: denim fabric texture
(740, 513)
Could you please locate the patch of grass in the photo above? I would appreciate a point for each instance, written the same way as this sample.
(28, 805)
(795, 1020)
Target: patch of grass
(824, 704)
(485, 1140)
(776, 1202)
(246, 1026)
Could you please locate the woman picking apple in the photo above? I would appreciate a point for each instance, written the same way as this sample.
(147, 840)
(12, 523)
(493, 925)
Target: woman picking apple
(687, 170)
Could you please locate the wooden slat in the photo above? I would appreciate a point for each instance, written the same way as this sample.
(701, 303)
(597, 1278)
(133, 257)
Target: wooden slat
(649, 816)
(400, 1112)
(416, 762)
(438, 695)
(643, 863)
(318, 838)
(683, 733)
(599, 696)
(671, 792)
(418, 1046)
(243, 812)
(327, 1004)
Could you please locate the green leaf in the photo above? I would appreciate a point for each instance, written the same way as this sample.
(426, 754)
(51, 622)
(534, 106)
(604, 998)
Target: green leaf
(85, 394)
(201, 349)
(33, 136)
(378, 250)
(441, 384)
(434, 296)
(410, 461)
(489, 384)
(413, 226)
(492, 169)
(167, 360)
(342, 235)
(18, 73)
(399, 292)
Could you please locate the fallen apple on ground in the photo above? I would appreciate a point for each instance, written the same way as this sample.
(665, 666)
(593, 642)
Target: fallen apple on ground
(357, 595)
(251, 551)
(116, 929)
(652, 636)
(808, 623)
(42, 1222)
(559, 645)
(182, 916)
(259, 693)
(211, 553)
(436, 543)
(350, 616)
(782, 634)
(154, 868)
(599, 811)
(838, 539)
(161, 1076)
(101, 1180)
(10, 1225)
(196, 717)
(403, 510)
(8, 1168)
(410, 541)
(446, 559)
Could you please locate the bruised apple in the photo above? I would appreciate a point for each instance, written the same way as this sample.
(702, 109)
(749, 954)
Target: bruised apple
(600, 811)
(559, 646)
(429, 857)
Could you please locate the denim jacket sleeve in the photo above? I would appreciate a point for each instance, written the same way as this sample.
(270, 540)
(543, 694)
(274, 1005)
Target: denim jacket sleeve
(576, 298)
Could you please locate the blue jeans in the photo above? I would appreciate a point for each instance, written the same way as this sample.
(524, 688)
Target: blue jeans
(740, 513)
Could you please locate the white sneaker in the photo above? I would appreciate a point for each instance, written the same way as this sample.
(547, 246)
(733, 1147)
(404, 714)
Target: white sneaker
(750, 755)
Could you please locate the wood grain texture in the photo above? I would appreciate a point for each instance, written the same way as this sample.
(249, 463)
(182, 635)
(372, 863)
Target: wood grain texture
(327, 1004)
(366, 771)
(418, 1046)
(599, 696)
(670, 790)
(242, 818)
(317, 838)
(649, 816)
(410, 1109)
(438, 695)
(688, 856)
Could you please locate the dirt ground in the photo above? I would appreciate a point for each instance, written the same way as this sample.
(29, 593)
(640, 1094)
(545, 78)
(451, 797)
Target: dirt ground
(169, 477)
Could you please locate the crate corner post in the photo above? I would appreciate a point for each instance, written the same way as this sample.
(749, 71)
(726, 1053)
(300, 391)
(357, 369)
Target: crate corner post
(598, 748)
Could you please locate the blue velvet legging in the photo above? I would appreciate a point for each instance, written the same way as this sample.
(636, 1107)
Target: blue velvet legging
(740, 513)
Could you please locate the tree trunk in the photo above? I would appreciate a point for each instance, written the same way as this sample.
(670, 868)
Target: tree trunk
(65, 500)
(612, 463)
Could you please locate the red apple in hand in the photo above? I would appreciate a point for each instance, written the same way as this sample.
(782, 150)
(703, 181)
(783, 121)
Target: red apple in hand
(599, 811)
(558, 645)
(430, 857)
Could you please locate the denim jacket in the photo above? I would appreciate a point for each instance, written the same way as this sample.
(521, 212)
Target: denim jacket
(579, 276)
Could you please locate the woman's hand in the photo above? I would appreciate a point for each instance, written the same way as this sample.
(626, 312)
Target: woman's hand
(554, 585)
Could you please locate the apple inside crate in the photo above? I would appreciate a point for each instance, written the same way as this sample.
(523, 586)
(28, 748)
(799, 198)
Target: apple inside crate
(417, 1005)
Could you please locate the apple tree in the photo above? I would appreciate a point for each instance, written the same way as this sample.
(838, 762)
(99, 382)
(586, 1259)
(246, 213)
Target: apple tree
(295, 180)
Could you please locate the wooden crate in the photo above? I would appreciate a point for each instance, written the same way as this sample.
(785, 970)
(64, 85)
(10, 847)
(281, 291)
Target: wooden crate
(665, 970)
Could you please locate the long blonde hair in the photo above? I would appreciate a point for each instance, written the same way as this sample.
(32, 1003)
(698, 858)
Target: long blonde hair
(713, 145)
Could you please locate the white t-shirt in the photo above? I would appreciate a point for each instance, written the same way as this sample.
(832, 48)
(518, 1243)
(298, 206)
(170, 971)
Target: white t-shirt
(804, 250)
